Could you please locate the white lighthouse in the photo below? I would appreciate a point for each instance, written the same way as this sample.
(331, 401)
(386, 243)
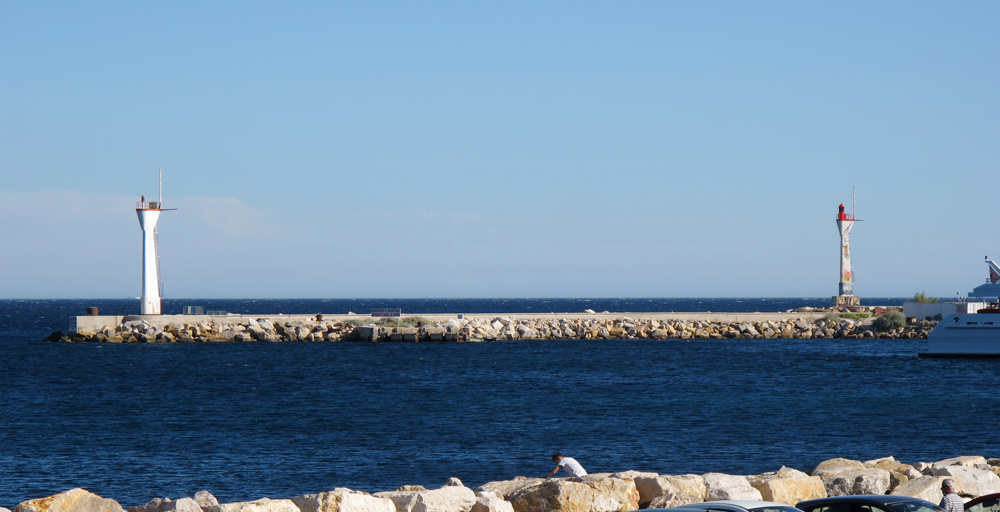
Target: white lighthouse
(845, 221)
(149, 214)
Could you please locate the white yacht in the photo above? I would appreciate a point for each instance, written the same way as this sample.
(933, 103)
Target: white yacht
(970, 334)
(966, 335)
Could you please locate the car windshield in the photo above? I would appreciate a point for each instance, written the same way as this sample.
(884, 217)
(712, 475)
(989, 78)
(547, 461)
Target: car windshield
(774, 508)
(990, 505)
(912, 507)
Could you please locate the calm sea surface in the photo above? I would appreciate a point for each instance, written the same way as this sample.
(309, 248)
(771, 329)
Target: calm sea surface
(246, 420)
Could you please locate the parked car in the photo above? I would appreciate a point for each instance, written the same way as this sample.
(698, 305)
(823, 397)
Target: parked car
(868, 503)
(731, 506)
(988, 503)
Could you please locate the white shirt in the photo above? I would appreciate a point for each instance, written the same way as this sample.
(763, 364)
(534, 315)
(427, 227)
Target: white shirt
(571, 466)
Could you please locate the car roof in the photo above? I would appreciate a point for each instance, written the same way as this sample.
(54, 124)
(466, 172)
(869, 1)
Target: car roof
(981, 499)
(880, 499)
(746, 503)
(740, 504)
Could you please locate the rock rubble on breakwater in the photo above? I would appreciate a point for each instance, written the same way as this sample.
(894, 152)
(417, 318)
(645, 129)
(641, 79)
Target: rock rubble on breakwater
(506, 327)
(603, 492)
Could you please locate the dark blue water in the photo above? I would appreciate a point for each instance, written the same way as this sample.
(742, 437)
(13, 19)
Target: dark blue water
(246, 420)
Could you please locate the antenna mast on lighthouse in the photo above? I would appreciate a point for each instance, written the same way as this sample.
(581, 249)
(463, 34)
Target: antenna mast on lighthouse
(845, 222)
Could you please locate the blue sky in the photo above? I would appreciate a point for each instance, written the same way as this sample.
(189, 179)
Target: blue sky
(535, 149)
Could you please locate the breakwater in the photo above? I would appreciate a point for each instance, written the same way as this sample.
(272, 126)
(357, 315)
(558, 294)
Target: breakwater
(606, 492)
(803, 323)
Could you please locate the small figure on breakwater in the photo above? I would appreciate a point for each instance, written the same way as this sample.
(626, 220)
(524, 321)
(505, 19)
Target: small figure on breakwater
(951, 502)
(569, 464)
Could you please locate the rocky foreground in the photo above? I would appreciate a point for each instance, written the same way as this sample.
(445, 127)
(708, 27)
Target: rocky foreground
(606, 492)
(139, 330)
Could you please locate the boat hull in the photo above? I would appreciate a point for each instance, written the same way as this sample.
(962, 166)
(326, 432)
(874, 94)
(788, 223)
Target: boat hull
(965, 335)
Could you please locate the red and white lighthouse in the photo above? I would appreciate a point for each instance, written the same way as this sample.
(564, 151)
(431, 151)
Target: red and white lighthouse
(845, 297)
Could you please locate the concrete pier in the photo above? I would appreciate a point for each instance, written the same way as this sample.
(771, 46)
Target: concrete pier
(94, 324)
(482, 327)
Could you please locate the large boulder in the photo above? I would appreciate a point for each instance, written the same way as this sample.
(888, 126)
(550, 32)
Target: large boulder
(578, 495)
(873, 462)
(489, 502)
(343, 500)
(893, 465)
(926, 488)
(680, 490)
(836, 465)
(788, 486)
(205, 499)
(729, 487)
(972, 482)
(73, 500)
(967, 460)
(168, 505)
(505, 488)
(261, 505)
(649, 485)
(843, 477)
(450, 498)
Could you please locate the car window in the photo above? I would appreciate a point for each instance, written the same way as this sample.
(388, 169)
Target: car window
(912, 507)
(990, 505)
(836, 507)
(873, 508)
(774, 509)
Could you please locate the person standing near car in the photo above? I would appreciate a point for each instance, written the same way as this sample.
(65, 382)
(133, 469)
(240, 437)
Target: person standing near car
(569, 464)
(951, 502)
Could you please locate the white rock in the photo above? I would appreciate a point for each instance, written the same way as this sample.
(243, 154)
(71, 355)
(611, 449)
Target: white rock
(450, 498)
(505, 488)
(968, 461)
(489, 502)
(971, 481)
(648, 484)
(856, 481)
(343, 500)
(729, 487)
(167, 505)
(926, 488)
(873, 462)
(788, 486)
(73, 500)
(205, 499)
(261, 505)
(679, 490)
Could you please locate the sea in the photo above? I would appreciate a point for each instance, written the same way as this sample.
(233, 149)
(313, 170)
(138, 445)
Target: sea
(249, 420)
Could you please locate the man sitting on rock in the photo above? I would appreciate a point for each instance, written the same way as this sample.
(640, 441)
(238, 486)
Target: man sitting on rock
(572, 467)
(951, 502)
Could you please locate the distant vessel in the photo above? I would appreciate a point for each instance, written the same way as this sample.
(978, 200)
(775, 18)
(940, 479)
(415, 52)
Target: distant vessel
(970, 334)
(991, 290)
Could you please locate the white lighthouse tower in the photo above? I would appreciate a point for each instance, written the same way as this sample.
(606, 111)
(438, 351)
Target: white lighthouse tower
(149, 214)
(845, 221)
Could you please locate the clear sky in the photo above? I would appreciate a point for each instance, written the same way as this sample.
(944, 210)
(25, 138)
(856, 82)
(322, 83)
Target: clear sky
(498, 149)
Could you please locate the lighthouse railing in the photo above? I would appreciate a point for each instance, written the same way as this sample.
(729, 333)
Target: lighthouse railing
(147, 205)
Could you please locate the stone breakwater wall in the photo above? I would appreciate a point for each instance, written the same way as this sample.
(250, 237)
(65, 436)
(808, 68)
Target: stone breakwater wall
(179, 328)
(604, 492)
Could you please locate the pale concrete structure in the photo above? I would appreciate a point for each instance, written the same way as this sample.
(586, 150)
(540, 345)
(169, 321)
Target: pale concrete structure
(149, 214)
(93, 324)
